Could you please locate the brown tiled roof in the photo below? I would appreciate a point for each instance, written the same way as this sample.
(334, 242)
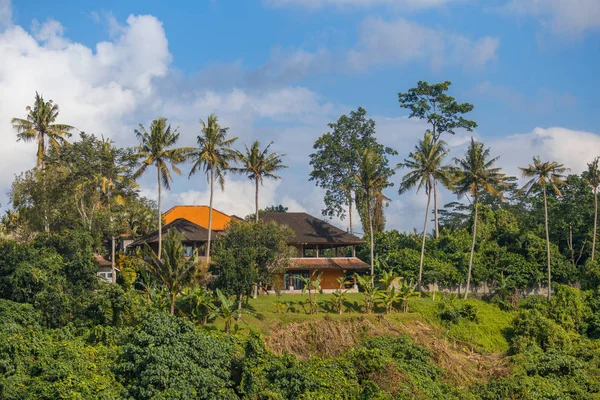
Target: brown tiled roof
(101, 261)
(309, 229)
(350, 263)
(191, 233)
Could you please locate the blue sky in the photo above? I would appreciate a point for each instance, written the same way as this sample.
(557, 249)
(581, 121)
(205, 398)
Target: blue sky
(281, 69)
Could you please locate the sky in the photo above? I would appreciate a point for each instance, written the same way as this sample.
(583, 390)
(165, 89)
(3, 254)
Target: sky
(281, 70)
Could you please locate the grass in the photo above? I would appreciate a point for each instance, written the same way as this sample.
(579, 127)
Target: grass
(488, 334)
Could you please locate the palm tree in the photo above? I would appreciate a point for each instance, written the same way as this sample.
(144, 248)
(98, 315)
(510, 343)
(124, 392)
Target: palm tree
(213, 155)
(154, 149)
(592, 177)
(259, 164)
(476, 174)
(425, 165)
(371, 180)
(174, 270)
(543, 174)
(40, 125)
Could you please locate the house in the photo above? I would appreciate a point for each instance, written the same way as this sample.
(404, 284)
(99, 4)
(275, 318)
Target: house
(320, 248)
(105, 270)
(194, 237)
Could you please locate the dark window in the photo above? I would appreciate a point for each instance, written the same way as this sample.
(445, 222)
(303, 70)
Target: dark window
(297, 283)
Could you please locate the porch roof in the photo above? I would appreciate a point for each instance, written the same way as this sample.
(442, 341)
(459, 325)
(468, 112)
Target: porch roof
(341, 263)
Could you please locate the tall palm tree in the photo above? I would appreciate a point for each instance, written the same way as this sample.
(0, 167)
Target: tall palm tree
(258, 164)
(425, 165)
(174, 270)
(592, 177)
(476, 174)
(371, 180)
(213, 155)
(543, 174)
(40, 125)
(155, 149)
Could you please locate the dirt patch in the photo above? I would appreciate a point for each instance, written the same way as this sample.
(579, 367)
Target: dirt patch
(461, 362)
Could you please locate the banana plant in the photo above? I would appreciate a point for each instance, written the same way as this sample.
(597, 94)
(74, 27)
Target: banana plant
(370, 292)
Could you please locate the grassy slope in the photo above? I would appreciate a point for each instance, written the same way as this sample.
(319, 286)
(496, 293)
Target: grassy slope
(487, 335)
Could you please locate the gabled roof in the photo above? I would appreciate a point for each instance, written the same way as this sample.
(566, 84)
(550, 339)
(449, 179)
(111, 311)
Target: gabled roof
(190, 231)
(198, 215)
(311, 230)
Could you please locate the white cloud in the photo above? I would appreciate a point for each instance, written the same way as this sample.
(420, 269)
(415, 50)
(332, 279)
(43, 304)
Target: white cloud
(318, 4)
(401, 41)
(561, 16)
(96, 90)
(573, 148)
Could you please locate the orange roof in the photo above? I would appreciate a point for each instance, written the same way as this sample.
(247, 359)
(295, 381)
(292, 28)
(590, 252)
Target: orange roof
(198, 215)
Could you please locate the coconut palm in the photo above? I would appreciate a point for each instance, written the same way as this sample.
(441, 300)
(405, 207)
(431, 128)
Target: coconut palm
(476, 174)
(155, 149)
(592, 177)
(425, 165)
(40, 125)
(543, 174)
(174, 270)
(371, 180)
(213, 155)
(258, 164)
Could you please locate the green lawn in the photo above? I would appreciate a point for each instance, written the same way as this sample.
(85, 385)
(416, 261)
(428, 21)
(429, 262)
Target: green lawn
(487, 334)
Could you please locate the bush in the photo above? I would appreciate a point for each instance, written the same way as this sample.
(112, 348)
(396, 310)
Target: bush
(530, 327)
(168, 358)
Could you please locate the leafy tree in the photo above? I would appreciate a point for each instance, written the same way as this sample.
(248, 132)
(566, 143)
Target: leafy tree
(173, 269)
(156, 149)
(425, 165)
(334, 161)
(213, 155)
(442, 112)
(543, 174)
(592, 177)
(371, 178)
(476, 174)
(250, 253)
(229, 310)
(258, 164)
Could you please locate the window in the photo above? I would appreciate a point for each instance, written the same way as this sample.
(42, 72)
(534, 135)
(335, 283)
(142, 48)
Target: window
(189, 250)
(297, 283)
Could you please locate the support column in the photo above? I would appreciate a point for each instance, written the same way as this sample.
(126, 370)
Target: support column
(353, 251)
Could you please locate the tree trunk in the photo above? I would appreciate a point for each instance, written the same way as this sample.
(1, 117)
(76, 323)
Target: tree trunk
(256, 200)
(595, 223)
(173, 295)
(435, 209)
(547, 244)
(112, 239)
(372, 241)
(350, 211)
(472, 249)
(159, 216)
(419, 283)
(210, 207)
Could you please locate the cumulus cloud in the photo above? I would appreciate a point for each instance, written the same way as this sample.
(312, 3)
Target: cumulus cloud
(561, 16)
(401, 41)
(97, 89)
